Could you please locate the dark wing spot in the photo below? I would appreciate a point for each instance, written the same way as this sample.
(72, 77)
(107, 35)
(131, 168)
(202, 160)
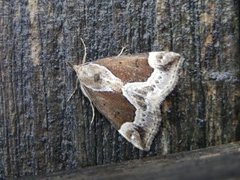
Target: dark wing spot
(143, 91)
(168, 66)
(96, 77)
(159, 57)
(141, 131)
(136, 63)
(116, 114)
(141, 102)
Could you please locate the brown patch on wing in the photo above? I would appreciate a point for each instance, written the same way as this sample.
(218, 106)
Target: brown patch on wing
(114, 106)
(128, 68)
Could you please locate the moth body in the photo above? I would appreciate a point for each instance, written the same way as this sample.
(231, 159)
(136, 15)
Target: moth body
(129, 90)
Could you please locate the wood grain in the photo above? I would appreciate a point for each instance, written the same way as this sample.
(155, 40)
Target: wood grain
(40, 132)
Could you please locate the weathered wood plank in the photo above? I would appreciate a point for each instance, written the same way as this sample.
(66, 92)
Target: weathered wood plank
(219, 162)
(205, 110)
(40, 132)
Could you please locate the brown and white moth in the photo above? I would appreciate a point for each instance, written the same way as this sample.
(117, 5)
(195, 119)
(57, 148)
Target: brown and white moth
(128, 91)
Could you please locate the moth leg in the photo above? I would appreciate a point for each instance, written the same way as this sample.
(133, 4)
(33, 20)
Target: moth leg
(74, 91)
(90, 101)
(121, 51)
(93, 113)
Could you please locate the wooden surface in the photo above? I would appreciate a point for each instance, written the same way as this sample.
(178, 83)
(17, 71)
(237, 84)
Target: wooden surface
(219, 162)
(40, 132)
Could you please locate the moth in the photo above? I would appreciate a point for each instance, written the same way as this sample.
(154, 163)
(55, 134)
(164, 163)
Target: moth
(129, 89)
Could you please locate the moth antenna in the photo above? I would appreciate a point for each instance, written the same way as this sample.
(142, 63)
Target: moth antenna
(93, 109)
(85, 52)
(76, 84)
(121, 51)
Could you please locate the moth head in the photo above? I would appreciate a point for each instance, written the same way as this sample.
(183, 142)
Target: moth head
(81, 71)
(88, 74)
(130, 132)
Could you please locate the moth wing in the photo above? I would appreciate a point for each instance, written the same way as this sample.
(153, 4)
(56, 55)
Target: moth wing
(113, 105)
(147, 116)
